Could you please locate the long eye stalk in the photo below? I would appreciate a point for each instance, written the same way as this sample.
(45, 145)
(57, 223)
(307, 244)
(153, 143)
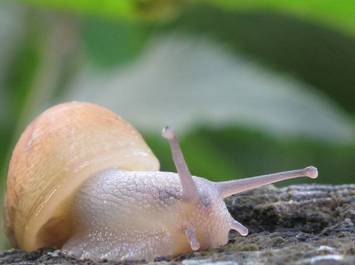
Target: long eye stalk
(190, 192)
(228, 188)
(225, 188)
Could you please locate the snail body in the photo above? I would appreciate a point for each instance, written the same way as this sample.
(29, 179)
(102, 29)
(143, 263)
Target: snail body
(82, 179)
(153, 206)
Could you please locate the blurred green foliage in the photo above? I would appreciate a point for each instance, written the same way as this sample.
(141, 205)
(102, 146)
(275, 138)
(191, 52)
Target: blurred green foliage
(317, 55)
(333, 14)
(337, 14)
(129, 9)
(311, 40)
(130, 36)
(234, 151)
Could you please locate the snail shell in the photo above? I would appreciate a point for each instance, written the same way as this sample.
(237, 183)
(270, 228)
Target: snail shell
(56, 153)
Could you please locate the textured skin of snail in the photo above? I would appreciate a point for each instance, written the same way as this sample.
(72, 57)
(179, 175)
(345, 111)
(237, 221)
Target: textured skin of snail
(143, 216)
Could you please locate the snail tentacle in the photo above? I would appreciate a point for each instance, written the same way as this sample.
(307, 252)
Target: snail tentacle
(191, 236)
(241, 229)
(228, 188)
(190, 192)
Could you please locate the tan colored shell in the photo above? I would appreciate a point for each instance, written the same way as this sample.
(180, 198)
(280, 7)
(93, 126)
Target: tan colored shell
(61, 148)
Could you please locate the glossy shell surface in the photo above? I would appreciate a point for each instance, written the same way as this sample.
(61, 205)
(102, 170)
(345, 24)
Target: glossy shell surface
(56, 153)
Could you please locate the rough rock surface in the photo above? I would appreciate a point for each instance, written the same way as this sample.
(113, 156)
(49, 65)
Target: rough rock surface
(305, 224)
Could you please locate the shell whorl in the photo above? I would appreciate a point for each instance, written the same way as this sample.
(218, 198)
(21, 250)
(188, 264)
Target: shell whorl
(59, 150)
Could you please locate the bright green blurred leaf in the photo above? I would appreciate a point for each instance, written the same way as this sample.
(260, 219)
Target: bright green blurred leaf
(339, 14)
(109, 8)
(151, 9)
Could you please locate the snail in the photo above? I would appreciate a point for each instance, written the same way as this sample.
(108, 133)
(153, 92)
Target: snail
(82, 179)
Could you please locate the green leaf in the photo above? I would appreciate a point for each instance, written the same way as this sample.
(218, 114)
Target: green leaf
(110, 8)
(337, 14)
(309, 52)
(183, 81)
(108, 43)
(131, 9)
